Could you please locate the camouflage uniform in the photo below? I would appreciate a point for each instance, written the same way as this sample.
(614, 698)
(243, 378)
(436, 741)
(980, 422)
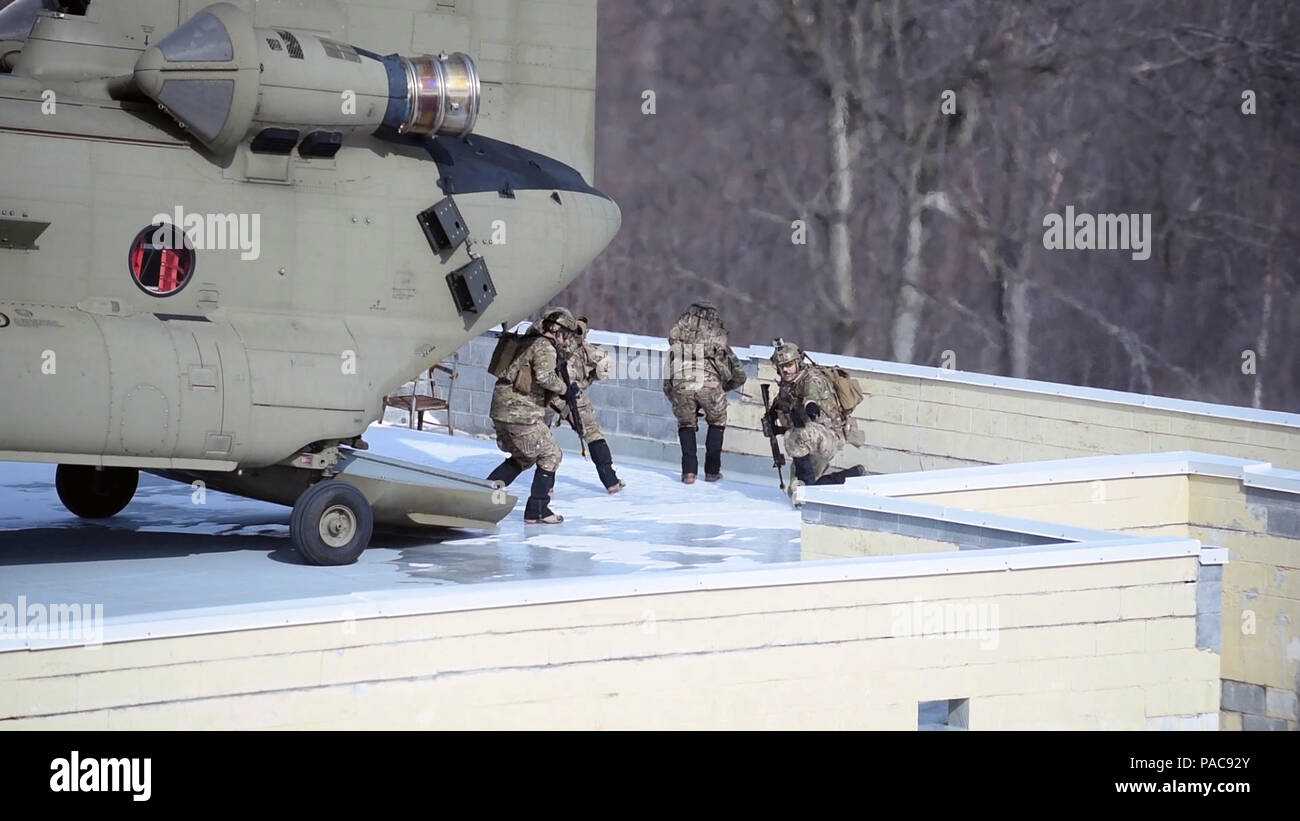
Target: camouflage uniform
(586, 364)
(816, 427)
(519, 418)
(821, 438)
(519, 402)
(701, 369)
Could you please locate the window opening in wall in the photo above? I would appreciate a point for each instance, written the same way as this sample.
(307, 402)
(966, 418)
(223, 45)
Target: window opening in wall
(948, 714)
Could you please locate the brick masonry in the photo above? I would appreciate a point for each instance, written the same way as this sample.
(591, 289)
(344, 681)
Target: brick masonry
(1257, 707)
(914, 418)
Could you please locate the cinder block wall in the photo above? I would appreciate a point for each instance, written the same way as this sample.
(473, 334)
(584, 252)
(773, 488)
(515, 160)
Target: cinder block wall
(914, 418)
(930, 418)
(1261, 598)
(1257, 592)
(1094, 646)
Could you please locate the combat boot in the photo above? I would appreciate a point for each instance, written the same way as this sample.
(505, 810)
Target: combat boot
(713, 453)
(538, 510)
(838, 477)
(690, 458)
(505, 473)
(803, 475)
(604, 461)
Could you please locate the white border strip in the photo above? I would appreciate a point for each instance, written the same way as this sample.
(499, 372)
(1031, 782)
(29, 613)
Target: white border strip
(1250, 472)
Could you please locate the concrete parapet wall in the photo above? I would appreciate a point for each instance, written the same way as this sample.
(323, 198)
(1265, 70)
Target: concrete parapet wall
(914, 417)
(842, 645)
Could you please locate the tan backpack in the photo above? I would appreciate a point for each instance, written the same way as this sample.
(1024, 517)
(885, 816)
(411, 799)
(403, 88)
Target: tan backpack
(847, 390)
(510, 346)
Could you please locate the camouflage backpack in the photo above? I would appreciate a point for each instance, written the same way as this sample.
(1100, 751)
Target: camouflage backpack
(699, 323)
(847, 390)
(510, 346)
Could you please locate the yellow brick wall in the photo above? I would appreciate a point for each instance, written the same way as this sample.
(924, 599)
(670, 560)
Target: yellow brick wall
(1079, 647)
(914, 423)
(1261, 582)
(1261, 586)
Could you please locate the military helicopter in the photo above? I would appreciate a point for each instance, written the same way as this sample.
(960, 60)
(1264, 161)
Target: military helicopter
(228, 230)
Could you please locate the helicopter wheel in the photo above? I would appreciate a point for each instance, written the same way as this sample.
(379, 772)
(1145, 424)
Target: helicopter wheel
(95, 493)
(331, 523)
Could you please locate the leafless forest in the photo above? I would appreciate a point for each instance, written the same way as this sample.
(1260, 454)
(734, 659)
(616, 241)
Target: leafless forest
(922, 145)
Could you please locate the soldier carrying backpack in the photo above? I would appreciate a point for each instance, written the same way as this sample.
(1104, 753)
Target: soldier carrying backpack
(701, 369)
(814, 408)
(525, 366)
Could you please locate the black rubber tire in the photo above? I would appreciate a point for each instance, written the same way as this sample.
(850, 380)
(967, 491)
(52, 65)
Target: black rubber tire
(306, 521)
(95, 493)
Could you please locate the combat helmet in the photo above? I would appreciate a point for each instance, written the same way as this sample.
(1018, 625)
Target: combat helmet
(558, 317)
(785, 353)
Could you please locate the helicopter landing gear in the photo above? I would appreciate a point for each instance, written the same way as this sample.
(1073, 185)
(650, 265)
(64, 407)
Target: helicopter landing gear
(331, 523)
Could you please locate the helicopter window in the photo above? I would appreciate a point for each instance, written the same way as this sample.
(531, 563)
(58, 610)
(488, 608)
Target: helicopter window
(202, 38)
(161, 260)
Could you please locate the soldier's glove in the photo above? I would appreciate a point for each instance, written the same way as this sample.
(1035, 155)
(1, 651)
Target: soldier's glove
(571, 395)
(769, 427)
(798, 416)
(813, 409)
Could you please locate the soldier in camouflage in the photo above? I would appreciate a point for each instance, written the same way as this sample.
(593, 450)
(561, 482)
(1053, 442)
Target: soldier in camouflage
(808, 411)
(588, 363)
(701, 369)
(519, 402)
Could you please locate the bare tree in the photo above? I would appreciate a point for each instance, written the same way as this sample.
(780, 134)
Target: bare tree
(804, 171)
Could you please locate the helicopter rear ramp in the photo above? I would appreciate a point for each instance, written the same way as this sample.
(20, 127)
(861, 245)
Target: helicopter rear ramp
(407, 494)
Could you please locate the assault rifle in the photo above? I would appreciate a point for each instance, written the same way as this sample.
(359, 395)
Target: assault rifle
(778, 458)
(571, 399)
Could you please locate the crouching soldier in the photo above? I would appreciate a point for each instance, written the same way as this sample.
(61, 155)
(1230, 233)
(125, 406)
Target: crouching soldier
(586, 364)
(527, 382)
(701, 369)
(809, 410)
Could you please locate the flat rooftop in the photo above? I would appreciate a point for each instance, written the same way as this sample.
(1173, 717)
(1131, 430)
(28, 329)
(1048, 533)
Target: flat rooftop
(165, 553)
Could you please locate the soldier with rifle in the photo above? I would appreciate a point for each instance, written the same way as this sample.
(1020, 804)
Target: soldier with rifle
(528, 380)
(810, 410)
(581, 364)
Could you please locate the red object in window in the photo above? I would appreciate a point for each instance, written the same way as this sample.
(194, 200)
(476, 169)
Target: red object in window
(137, 259)
(169, 272)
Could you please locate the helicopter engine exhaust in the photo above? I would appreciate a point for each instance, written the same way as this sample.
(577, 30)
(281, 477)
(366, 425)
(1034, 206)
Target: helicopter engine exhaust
(223, 80)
